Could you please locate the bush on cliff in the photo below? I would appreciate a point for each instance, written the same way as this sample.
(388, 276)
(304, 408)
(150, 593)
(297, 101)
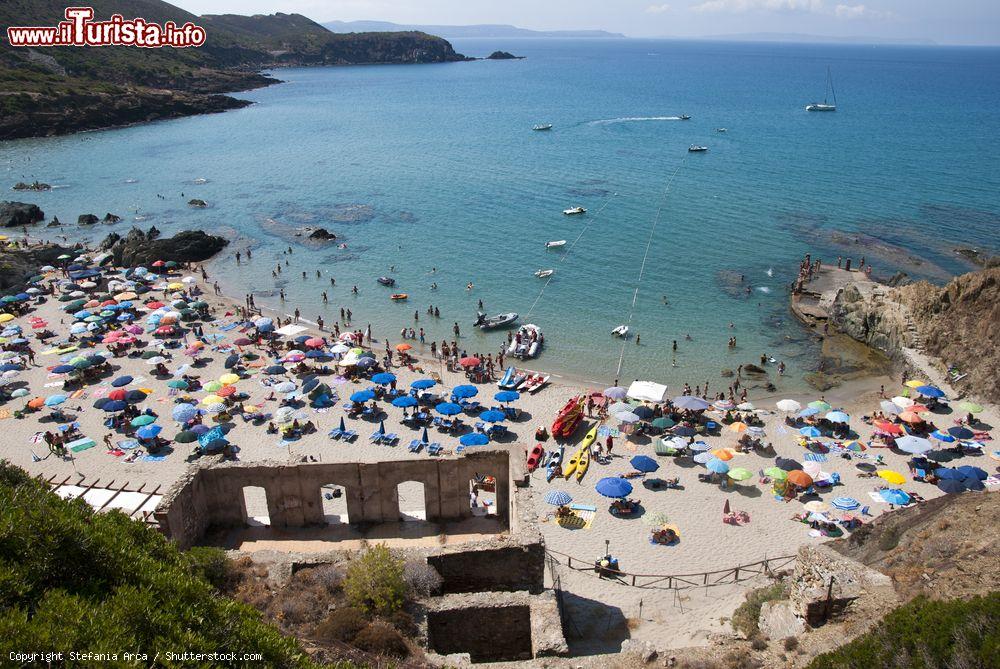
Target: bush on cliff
(72, 579)
(375, 581)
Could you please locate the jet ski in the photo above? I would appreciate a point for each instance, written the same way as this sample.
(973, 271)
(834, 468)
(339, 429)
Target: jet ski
(484, 322)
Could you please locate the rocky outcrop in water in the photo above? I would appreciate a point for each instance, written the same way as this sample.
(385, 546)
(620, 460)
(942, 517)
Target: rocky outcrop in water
(87, 219)
(322, 234)
(201, 204)
(19, 265)
(110, 218)
(503, 55)
(142, 248)
(16, 214)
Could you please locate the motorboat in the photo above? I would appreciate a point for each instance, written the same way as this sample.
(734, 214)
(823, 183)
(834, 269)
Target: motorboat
(694, 148)
(684, 117)
(527, 342)
(542, 273)
(555, 244)
(386, 281)
(542, 126)
(720, 130)
(620, 331)
(398, 296)
(825, 106)
(574, 211)
(484, 322)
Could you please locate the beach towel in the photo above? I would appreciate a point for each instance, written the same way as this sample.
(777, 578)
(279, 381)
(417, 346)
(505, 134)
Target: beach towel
(4, 413)
(877, 497)
(116, 452)
(78, 395)
(81, 445)
(228, 326)
(581, 520)
(583, 507)
(152, 458)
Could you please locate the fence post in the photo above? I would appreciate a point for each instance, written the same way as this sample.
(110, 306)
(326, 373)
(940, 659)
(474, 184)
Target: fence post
(736, 576)
(633, 579)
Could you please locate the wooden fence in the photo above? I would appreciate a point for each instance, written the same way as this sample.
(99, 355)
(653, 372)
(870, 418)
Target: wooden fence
(767, 566)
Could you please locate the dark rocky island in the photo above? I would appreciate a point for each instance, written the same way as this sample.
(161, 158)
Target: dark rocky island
(503, 55)
(200, 204)
(322, 234)
(16, 214)
(87, 219)
(142, 248)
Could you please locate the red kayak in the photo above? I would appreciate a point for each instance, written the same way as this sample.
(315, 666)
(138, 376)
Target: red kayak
(535, 457)
(568, 419)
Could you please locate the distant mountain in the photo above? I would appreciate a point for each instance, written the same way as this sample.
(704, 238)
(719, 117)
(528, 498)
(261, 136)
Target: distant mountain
(815, 39)
(456, 32)
(66, 89)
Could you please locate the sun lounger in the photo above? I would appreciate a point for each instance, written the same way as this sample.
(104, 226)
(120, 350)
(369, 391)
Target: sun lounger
(376, 436)
(415, 446)
(434, 449)
(336, 433)
(390, 439)
(349, 435)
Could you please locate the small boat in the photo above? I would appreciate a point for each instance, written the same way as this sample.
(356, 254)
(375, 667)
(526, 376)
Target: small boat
(825, 106)
(527, 343)
(554, 465)
(535, 457)
(542, 126)
(484, 322)
(694, 148)
(398, 296)
(684, 117)
(568, 418)
(519, 378)
(620, 331)
(574, 211)
(386, 281)
(555, 244)
(537, 383)
(720, 130)
(542, 273)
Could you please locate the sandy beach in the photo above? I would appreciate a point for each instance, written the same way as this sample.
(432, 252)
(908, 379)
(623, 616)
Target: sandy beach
(695, 508)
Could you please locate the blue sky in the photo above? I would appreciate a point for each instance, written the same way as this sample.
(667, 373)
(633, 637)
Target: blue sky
(952, 22)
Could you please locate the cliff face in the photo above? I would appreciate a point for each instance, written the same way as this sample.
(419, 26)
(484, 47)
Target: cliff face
(867, 313)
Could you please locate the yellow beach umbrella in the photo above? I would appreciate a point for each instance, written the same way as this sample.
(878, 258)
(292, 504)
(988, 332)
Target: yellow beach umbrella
(724, 453)
(6, 317)
(175, 286)
(228, 379)
(126, 296)
(895, 478)
(738, 427)
(816, 506)
(915, 383)
(4, 238)
(213, 399)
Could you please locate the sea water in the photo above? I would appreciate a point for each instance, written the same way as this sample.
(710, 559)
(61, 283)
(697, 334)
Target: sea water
(432, 174)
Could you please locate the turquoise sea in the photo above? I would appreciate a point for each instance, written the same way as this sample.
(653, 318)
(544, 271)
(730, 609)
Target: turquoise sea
(436, 166)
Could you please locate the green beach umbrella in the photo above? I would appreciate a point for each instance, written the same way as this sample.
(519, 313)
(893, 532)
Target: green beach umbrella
(185, 437)
(144, 419)
(970, 407)
(212, 386)
(199, 304)
(663, 422)
(180, 384)
(777, 473)
(821, 405)
(740, 474)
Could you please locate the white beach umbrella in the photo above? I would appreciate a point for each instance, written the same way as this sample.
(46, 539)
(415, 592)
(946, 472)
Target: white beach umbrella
(902, 402)
(788, 406)
(619, 407)
(889, 407)
(627, 417)
(746, 406)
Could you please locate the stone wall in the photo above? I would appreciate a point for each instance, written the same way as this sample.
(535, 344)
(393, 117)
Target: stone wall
(825, 583)
(502, 568)
(211, 495)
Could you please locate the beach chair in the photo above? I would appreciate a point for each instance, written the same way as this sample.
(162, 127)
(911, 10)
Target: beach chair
(390, 439)
(480, 426)
(349, 435)
(434, 449)
(437, 421)
(376, 436)
(415, 446)
(336, 433)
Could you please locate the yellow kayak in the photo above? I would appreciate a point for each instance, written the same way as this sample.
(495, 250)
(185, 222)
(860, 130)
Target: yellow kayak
(571, 464)
(590, 437)
(581, 454)
(581, 467)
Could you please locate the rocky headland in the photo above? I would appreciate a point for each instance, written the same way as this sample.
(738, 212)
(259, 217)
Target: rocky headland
(142, 248)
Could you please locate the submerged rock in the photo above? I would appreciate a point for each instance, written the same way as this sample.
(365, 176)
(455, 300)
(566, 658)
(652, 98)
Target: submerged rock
(197, 203)
(143, 248)
(14, 214)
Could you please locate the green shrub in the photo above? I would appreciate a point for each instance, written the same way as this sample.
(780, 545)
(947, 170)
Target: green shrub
(341, 625)
(374, 582)
(381, 638)
(404, 622)
(746, 617)
(889, 538)
(211, 564)
(926, 634)
(72, 579)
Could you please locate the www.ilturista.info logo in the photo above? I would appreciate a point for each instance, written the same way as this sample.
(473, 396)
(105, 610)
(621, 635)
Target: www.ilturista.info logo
(79, 29)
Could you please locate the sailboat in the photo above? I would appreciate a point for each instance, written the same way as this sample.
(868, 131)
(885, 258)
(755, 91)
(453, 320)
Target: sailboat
(825, 105)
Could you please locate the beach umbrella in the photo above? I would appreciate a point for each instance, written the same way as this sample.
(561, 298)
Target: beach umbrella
(644, 464)
(212, 399)
(968, 471)
(788, 406)
(507, 396)
(893, 496)
(723, 405)
(910, 417)
(448, 408)
(970, 407)
(911, 444)
(809, 431)
(182, 413)
(114, 406)
(816, 506)
(738, 427)
(20, 392)
(615, 393)
(717, 466)
(36, 402)
(54, 400)
(423, 384)
(558, 498)
(286, 387)
(643, 412)
(148, 431)
(135, 396)
(613, 486)
(838, 417)
(226, 391)
(179, 384)
(212, 386)
(799, 478)
(960, 432)
(918, 408)
(948, 473)
(690, 403)
(951, 486)
(339, 349)
(808, 411)
(740, 474)
(365, 363)
(663, 422)
(942, 436)
(627, 417)
(474, 439)
(314, 342)
(469, 361)
(275, 369)
(405, 401)
(889, 407)
(464, 392)
(229, 379)
(199, 429)
(384, 378)
(902, 402)
(724, 453)
(492, 416)
(855, 446)
(185, 437)
(121, 381)
(144, 419)
(973, 484)
(822, 405)
(888, 427)
(63, 369)
(746, 406)
(403, 347)
(891, 477)
(685, 431)
(231, 361)
(154, 359)
(846, 503)
(812, 468)
(697, 447)
(363, 396)
(930, 391)
(702, 458)
(619, 407)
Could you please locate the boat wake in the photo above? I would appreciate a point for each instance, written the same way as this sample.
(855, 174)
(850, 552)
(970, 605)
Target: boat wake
(764, 289)
(634, 119)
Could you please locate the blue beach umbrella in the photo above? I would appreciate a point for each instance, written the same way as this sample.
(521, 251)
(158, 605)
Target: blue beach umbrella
(464, 392)
(948, 473)
(930, 391)
(492, 416)
(507, 396)
(643, 412)
(121, 381)
(365, 363)
(973, 484)
(699, 446)
(838, 417)
(846, 503)
(404, 401)
(309, 384)
(10, 367)
(644, 463)
(423, 384)
(612, 486)
(148, 431)
(942, 436)
(275, 369)
(894, 496)
(448, 408)
(182, 413)
(363, 396)
(384, 378)
(808, 411)
(55, 400)
(114, 406)
(970, 472)
(717, 466)
(558, 498)
(951, 486)
(960, 432)
(809, 431)
(474, 439)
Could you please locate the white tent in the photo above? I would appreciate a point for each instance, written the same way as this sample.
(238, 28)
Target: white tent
(647, 391)
(290, 330)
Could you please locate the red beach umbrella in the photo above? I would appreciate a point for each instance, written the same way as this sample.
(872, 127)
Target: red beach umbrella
(888, 427)
(315, 342)
(226, 391)
(470, 361)
(116, 394)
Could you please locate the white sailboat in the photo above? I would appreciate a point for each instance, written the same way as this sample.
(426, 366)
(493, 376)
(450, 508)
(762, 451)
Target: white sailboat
(825, 105)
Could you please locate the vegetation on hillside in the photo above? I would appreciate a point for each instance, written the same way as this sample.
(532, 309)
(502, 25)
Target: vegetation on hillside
(72, 579)
(926, 634)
